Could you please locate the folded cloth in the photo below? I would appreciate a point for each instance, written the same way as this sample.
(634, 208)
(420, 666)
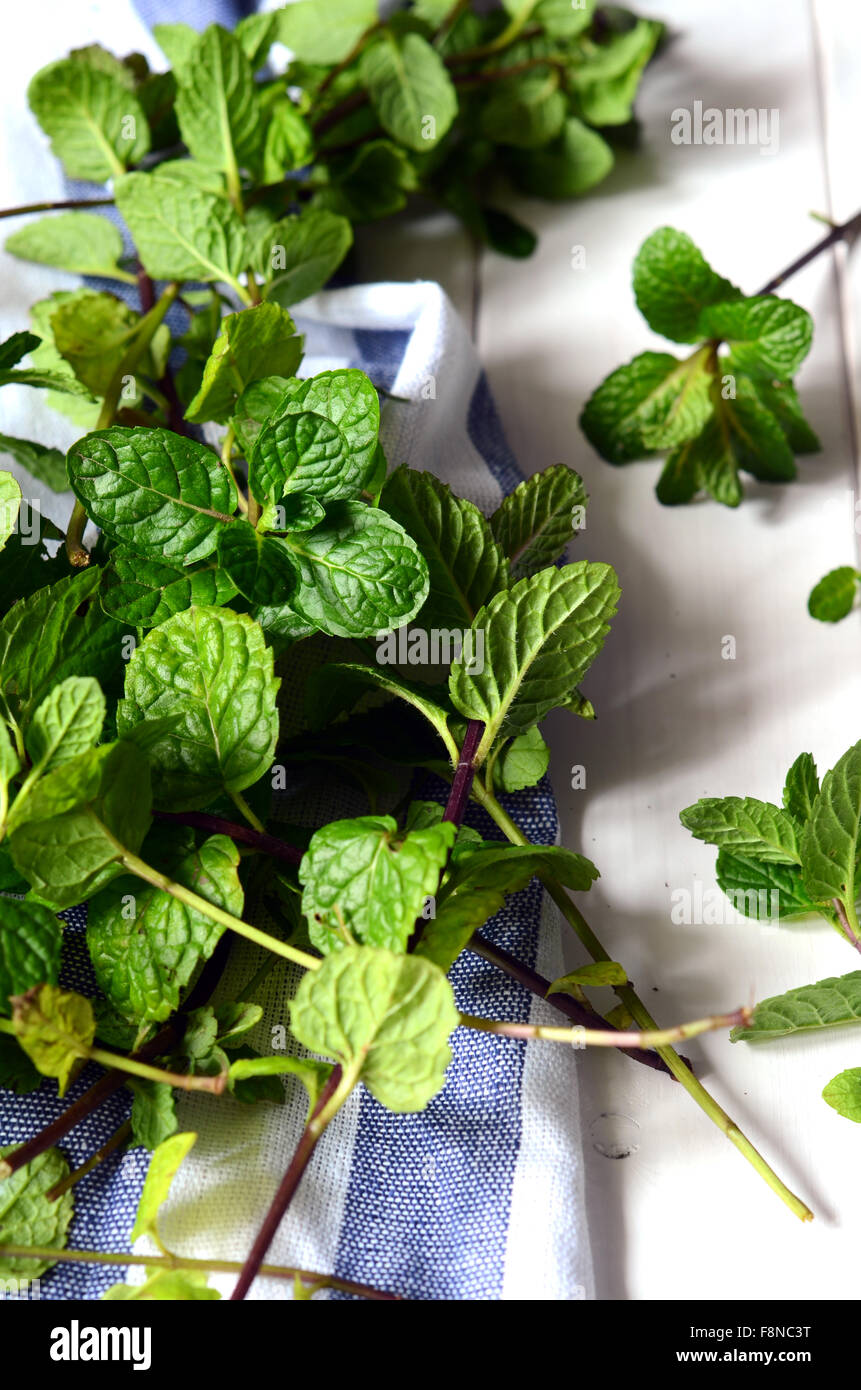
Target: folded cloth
(481, 1195)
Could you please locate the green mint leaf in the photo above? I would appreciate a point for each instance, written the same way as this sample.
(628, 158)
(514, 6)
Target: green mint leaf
(10, 502)
(372, 183)
(259, 402)
(75, 241)
(172, 1285)
(456, 919)
(828, 1004)
(69, 832)
(833, 598)
(843, 1094)
(178, 43)
(17, 1074)
(95, 124)
(56, 1030)
(322, 440)
(28, 1217)
(45, 381)
(614, 417)
(260, 567)
(741, 434)
(256, 34)
(56, 632)
(66, 723)
(92, 333)
(410, 89)
(606, 83)
(234, 1020)
(303, 254)
(164, 1166)
(465, 564)
(522, 762)
(250, 1078)
(570, 165)
(17, 346)
(210, 667)
(743, 824)
(762, 891)
(364, 878)
(145, 593)
(525, 111)
(509, 868)
(801, 788)
(769, 337)
(45, 464)
(337, 687)
(258, 342)
(289, 142)
(831, 838)
(145, 945)
(295, 512)
(65, 393)
(158, 492)
(181, 232)
(602, 972)
(537, 520)
(31, 939)
(673, 283)
(217, 104)
(153, 1114)
(361, 575)
(386, 1018)
(325, 31)
(781, 398)
(540, 637)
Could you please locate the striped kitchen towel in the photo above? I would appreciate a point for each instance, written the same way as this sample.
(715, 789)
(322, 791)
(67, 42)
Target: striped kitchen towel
(480, 1196)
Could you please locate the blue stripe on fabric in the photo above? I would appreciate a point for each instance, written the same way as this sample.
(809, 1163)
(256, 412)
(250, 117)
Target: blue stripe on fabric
(196, 13)
(382, 352)
(429, 1195)
(487, 434)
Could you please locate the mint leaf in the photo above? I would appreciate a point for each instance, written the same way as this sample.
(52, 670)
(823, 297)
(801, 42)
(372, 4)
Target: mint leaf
(386, 1018)
(12, 349)
(28, 1217)
(56, 632)
(66, 723)
(69, 833)
(801, 788)
(95, 124)
(248, 1077)
(540, 638)
(526, 111)
(10, 502)
(360, 573)
(173, 1285)
(92, 332)
(833, 598)
(75, 241)
(217, 104)
(620, 410)
(289, 142)
(372, 183)
(211, 668)
(158, 492)
(465, 564)
(258, 342)
(31, 939)
(361, 878)
(410, 89)
(509, 868)
(181, 232)
(599, 973)
(781, 398)
(260, 567)
(327, 32)
(843, 1094)
(606, 83)
(45, 464)
(770, 337)
(17, 1073)
(537, 520)
(145, 593)
(322, 439)
(762, 890)
(56, 1030)
(743, 824)
(570, 165)
(336, 687)
(456, 919)
(522, 762)
(164, 1166)
(828, 1004)
(145, 945)
(832, 836)
(303, 254)
(178, 43)
(153, 1114)
(673, 284)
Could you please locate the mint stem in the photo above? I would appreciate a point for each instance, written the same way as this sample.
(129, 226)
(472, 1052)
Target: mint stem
(57, 207)
(846, 926)
(266, 844)
(845, 231)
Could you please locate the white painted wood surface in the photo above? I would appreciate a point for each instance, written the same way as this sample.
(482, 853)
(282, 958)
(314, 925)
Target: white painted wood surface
(683, 1215)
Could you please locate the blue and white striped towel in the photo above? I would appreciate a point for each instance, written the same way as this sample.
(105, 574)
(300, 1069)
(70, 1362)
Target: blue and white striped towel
(481, 1196)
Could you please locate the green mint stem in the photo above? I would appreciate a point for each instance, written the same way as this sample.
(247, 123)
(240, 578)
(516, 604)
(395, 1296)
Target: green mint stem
(332, 1097)
(78, 555)
(609, 1037)
(170, 1261)
(117, 1061)
(120, 1137)
(227, 461)
(845, 231)
(638, 1011)
(216, 914)
(245, 810)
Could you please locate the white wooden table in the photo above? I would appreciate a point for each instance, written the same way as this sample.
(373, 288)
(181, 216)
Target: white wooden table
(683, 1215)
